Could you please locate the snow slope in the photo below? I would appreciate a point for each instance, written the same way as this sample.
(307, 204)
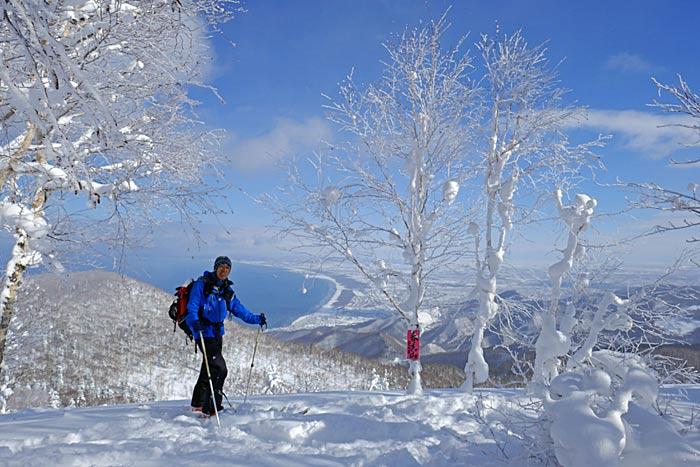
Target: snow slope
(442, 428)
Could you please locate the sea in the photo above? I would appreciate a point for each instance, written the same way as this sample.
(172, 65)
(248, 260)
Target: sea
(283, 295)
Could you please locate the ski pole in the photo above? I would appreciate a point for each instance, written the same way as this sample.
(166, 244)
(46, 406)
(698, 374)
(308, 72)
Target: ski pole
(211, 385)
(252, 363)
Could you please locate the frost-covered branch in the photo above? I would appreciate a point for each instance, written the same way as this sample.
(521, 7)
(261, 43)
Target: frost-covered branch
(682, 202)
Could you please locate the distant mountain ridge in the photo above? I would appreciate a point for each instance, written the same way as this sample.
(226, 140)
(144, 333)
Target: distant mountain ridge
(446, 339)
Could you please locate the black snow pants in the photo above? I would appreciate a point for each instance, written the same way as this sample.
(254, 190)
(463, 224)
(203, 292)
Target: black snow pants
(201, 395)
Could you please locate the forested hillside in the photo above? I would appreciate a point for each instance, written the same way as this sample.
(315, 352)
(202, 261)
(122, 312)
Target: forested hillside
(99, 338)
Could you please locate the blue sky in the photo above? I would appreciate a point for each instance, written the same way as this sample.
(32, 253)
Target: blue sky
(289, 53)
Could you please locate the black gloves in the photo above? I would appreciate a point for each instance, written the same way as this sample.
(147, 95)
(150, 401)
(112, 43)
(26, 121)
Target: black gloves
(197, 328)
(263, 321)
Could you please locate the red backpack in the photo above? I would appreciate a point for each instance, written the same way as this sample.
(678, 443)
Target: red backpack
(178, 309)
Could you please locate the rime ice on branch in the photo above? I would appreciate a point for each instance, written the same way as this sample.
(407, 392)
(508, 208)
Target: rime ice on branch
(553, 343)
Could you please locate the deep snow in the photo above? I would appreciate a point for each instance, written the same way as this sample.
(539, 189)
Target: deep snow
(442, 428)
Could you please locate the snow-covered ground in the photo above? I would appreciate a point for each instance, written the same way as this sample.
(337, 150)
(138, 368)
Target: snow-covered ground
(442, 428)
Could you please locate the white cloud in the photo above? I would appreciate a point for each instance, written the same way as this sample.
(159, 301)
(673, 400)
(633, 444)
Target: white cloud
(653, 135)
(629, 62)
(285, 139)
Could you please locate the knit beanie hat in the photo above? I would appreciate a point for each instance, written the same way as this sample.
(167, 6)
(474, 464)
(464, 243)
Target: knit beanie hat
(221, 260)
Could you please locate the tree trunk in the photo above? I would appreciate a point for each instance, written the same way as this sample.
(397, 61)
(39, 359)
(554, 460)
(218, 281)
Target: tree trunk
(416, 297)
(12, 281)
(14, 271)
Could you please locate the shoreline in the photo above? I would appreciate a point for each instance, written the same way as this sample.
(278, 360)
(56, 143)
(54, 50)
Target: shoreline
(336, 293)
(341, 297)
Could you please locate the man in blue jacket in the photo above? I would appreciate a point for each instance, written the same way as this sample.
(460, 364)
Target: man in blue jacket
(210, 302)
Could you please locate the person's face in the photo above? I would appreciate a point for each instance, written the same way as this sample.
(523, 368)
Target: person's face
(223, 271)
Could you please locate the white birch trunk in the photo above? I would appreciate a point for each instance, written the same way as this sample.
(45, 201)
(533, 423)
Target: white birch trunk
(14, 272)
(500, 197)
(415, 254)
(415, 367)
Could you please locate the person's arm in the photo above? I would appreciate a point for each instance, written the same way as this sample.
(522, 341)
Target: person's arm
(241, 312)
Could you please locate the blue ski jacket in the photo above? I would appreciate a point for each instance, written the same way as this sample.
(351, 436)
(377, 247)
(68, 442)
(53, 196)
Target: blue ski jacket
(213, 309)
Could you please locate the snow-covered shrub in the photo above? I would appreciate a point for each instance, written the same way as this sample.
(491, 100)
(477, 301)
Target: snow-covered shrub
(587, 384)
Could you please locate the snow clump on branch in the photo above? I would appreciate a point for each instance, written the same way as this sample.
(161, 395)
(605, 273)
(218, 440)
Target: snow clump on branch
(449, 191)
(330, 196)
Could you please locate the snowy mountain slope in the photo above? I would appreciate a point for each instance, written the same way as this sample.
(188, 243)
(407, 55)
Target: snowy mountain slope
(362, 324)
(443, 428)
(371, 337)
(96, 337)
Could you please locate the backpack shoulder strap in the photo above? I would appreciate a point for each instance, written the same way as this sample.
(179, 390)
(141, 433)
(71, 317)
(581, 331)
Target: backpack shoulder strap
(227, 287)
(228, 290)
(208, 285)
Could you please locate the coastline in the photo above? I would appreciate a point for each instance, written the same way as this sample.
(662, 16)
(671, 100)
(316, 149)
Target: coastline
(341, 297)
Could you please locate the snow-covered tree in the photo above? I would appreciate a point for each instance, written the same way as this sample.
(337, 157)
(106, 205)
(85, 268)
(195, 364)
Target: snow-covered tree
(554, 340)
(598, 363)
(594, 390)
(97, 128)
(595, 353)
(526, 155)
(384, 200)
